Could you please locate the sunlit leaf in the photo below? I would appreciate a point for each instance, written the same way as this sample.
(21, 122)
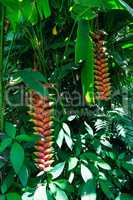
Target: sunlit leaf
(57, 170)
(72, 163)
(60, 194)
(86, 173)
(40, 193)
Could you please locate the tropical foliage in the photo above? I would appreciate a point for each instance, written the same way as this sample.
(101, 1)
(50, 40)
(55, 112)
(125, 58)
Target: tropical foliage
(66, 115)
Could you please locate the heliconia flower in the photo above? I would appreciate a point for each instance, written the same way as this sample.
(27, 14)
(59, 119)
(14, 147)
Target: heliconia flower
(41, 111)
(102, 75)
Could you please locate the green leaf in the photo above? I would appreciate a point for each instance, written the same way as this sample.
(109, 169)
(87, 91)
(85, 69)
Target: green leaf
(23, 175)
(64, 185)
(67, 136)
(91, 156)
(20, 11)
(105, 186)
(124, 197)
(66, 128)
(10, 129)
(60, 138)
(104, 165)
(34, 74)
(17, 157)
(128, 45)
(52, 187)
(86, 173)
(32, 81)
(27, 196)
(44, 8)
(27, 138)
(40, 193)
(49, 196)
(7, 183)
(126, 6)
(85, 9)
(72, 163)
(127, 166)
(84, 52)
(71, 117)
(57, 170)
(5, 143)
(13, 196)
(89, 190)
(60, 194)
(29, 12)
(69, 141)
(89, 129)
(2, 197)
(82, 12)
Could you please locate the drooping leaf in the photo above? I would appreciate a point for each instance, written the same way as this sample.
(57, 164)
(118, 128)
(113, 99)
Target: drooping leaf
(89, 129)
(23, 175)
(84, 52)
(17, 156)
(34, 74)
(32, 79)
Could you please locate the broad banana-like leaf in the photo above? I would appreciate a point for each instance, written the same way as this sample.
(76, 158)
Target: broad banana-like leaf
(18, 11)
(85, 9)
(84, 52)
(43, 8)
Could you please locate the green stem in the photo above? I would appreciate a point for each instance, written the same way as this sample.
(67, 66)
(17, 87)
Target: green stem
(1, 70)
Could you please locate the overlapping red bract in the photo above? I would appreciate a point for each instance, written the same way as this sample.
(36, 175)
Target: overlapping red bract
(102, 79)
(41, 111)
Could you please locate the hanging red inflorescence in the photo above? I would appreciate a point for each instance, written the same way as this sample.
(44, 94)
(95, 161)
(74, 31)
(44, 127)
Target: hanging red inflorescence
(42, 116)
(102, 79)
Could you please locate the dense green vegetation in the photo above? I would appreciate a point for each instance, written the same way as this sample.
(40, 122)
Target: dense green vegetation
(56, 43)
